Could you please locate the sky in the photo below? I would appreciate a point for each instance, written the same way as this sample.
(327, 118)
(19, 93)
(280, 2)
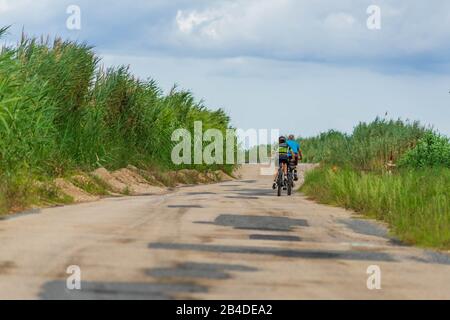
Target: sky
(300, 66)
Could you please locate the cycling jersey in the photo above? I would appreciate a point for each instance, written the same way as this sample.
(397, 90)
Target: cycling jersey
(284, 150)
(294, 146)
(283, 153)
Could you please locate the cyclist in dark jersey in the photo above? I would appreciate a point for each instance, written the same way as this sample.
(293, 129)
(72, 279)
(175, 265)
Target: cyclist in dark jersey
(284, 150)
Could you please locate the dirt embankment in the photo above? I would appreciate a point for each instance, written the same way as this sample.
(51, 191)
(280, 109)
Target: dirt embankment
(131, 181)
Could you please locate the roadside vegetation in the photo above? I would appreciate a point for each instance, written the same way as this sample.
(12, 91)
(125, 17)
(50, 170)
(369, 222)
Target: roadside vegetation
(61, 111)
(395, 171)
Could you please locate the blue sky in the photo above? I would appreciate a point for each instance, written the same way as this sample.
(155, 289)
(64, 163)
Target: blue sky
(301, 66)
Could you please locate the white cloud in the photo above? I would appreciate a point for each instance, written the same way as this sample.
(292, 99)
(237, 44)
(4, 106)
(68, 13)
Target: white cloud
(188, 21)
(319, 30)
(231, 21)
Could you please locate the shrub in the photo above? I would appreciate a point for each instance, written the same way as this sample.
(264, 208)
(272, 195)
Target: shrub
(432, 150)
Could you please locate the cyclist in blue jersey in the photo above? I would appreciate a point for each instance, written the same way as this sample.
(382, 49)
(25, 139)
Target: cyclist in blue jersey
(296, 154)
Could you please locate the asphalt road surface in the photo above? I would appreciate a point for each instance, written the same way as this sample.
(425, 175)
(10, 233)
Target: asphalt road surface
(234, 240)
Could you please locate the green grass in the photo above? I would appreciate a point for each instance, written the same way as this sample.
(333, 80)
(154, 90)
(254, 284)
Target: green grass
(415, 203)
(20, 192)
(61, 111)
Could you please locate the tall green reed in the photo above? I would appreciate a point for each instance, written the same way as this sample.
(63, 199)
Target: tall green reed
(60, 110)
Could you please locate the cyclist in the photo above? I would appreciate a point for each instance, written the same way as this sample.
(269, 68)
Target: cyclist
(283, 155)
(295, 155)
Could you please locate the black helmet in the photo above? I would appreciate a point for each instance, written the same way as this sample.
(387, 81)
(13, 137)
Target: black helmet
(282, 139)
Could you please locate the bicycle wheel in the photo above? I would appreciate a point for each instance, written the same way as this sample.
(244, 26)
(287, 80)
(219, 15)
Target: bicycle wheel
(289, 187)
(280, 182)
(292, 180)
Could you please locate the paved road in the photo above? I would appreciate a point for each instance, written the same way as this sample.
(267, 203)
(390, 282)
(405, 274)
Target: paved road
(234, 240)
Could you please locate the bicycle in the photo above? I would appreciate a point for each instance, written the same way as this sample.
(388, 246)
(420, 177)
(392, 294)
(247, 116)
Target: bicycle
(285, 182)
